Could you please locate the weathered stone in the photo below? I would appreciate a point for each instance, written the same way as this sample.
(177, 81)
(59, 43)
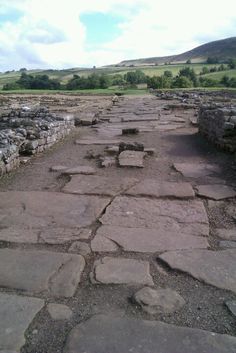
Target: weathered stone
(159, 300)
(216, 192)
(131, 146)
(103, 334)
(144, 240)
(59, 311)
(37, 271)
(16, 313)
(231, 305)
(227, 244)
(58, 168)
(213, 267)
(97, 142)
(36, 216)
(187, 217)
(150, 151)
(130, 131)
(231, 211)
(103, 244)
(122, 271)
(153, 188)
(80, 248)
(196, 170)
(80, 170)
(227, 234)
(112, 150)
(131, 159)
(108, 162)
(98, 185)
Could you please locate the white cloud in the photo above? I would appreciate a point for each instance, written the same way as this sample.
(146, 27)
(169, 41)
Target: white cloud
(50, 33)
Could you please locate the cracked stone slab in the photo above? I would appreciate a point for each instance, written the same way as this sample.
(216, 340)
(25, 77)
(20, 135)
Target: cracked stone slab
(122, 271)
(95, 141)
(216, 191)
(131, 159)
(216, 268)
(98, 185)
(86, 170)
(46, 217)
(231, 305)
(16, 313)
(159, 300)
(109, 333)
(144, 240)
(196, 170)
(153, 188)
(37, 271)
(182, 216)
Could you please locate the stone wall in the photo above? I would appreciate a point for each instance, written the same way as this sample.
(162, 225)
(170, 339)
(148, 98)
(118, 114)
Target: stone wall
(28, 131)
(218, 124)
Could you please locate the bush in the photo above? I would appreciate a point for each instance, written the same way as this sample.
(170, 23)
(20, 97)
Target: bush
(182, 82)
(10, 86)
(158, 82)
(135, 77)
(37, 82)
(190, 74)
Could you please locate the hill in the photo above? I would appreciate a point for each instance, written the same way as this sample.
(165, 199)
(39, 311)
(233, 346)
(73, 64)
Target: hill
(222, 49)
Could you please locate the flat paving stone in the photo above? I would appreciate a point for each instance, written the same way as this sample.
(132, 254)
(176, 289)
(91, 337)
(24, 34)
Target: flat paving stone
(144, 240)
(35, 216)
(80, 170)
(196, 170)
(160, 300)
(97, 142)
(227, 244)
(131, 159)
(216, 191)
(98, 185)
(153, 188)
(79, 247)
(212, 267)
(16, 313)
(108, 333)
(122, 271)
(187, 217)
(58, 168)
(59, 311)
(227, 234)
(37, 271)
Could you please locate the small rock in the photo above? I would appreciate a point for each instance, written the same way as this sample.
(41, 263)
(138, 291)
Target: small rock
(131, 146)
(231, 211)
(112, 150)
(24, 160)
(86, 170)
(216, 191)
(59, 311)
(160, 300)
(130, 131)
(231, 305)
(227, 244)
(81, 248)
(108, 162)
(150, 151)
(227, 234)
(58, 168)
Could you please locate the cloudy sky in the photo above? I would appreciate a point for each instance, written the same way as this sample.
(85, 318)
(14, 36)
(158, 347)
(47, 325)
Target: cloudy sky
(73, 33)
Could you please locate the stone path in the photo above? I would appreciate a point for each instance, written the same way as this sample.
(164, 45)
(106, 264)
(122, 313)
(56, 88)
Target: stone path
(136, 256)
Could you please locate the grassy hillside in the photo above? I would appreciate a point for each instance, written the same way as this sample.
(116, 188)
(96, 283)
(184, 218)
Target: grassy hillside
(222, 49)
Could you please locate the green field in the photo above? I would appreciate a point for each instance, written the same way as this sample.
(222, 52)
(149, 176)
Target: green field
(218, 75)
(65, 75)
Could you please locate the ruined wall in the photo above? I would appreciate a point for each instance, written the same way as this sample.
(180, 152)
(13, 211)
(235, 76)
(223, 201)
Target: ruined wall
(218, 124)
(29, 131)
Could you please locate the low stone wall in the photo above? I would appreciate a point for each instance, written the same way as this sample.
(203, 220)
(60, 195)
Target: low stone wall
(218, 124)
(27, 132)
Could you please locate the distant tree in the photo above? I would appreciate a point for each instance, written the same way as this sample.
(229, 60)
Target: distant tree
(159, 82)
(232, 64)
(208, 82)
(168, 73)
(10, 86)
(23, 69)
(104, 81)
(225, 80)
(118, 80)
(212, 60)
(182, 82)
(213, 69)
(205, 70)
(190, 74)
(222, 67)
(37, 82)
(135, 77)
(189, 61)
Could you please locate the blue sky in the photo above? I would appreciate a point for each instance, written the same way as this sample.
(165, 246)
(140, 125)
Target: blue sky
(72, 33)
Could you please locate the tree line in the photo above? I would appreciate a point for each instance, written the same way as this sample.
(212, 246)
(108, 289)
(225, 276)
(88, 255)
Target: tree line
(186, 78)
